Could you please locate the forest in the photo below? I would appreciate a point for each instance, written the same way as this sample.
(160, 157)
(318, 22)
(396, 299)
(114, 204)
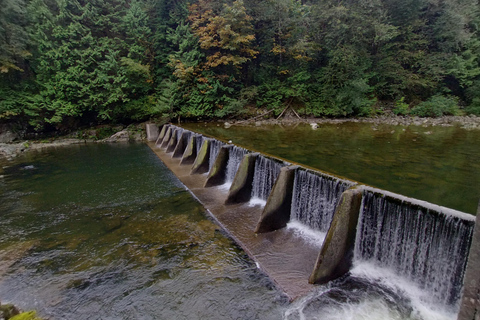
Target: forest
(71, 63)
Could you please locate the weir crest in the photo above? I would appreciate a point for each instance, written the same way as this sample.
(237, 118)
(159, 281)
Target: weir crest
(426, 244)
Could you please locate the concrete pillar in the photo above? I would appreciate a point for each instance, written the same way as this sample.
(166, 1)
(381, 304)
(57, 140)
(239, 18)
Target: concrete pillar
(470, 304)
(162, 134)
(241, 189)
(276, 213)
(181, 145)
(159, 140)
(173, 141)
(167, 137)
(202, 162)
(190, 153)
(336, 256)
(217, 174)
(152, 131)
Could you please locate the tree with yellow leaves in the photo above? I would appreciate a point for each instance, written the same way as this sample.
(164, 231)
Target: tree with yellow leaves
(226, 36)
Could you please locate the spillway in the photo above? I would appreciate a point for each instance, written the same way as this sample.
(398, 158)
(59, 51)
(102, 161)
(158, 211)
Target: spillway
(419, 242)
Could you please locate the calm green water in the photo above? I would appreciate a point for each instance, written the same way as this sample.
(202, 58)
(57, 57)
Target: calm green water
(107, 232)
(440, 165)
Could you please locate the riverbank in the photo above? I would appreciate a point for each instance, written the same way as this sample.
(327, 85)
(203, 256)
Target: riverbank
(13, 149)
(137, 133)
(465, 122)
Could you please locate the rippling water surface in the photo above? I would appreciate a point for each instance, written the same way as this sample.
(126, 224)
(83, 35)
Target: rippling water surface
(107, 232)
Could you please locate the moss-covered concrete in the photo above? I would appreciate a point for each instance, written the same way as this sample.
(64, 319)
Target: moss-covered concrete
(217, 174)
(167, 137)
(336, 256)
(202, 162)
(190, 153)
(181, 146)
(241, 189)
(173, 141)
(470, 304)
(276, 213)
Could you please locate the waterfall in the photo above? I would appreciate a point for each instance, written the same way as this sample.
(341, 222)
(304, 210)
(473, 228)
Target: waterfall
(187, 136)
(315, 198)
(179, 132)
(199, 141)
(235, 156)
(266, 172)
(418, 242)
(215, 146)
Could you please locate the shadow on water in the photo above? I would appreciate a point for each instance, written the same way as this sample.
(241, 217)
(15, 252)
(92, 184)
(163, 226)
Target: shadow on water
(107, 232)
(435, 164)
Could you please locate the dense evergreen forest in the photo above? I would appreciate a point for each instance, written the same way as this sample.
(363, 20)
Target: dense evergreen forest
(71, 63)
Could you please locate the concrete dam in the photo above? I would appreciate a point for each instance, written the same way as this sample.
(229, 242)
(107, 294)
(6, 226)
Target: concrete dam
(304, 227)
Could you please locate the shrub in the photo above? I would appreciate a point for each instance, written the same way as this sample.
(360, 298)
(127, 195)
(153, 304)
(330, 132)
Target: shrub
(474, 107)
(401, 108)
(437, 106)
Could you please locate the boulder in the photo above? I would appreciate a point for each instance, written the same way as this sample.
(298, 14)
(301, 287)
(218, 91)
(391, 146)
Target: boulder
(7, 135)
(119, 136)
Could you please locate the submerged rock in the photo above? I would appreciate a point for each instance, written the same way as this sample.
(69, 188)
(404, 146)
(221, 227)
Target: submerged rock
(8, 311)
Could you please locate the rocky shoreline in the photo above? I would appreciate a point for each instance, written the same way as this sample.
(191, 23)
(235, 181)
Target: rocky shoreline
(465, 122)
(13, 149)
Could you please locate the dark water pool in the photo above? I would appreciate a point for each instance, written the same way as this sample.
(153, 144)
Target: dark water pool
(438, 164)
(107, 232)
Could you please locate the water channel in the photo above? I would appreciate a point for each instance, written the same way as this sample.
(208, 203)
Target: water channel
(436, 164)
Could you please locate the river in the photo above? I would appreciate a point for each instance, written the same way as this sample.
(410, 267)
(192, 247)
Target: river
(106, 231)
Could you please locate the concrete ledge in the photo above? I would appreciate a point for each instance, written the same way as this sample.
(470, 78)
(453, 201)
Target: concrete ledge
(336, 256)
(470, 303)
(202, 164)
(241, 189)
(217, 174)
(276, 213)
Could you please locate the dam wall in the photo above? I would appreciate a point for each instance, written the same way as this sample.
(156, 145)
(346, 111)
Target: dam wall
(266, 204)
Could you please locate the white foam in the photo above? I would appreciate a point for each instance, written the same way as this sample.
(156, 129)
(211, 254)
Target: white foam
(423, 307)
(257, 202)
(311, 236)
(374, 309)
(225, 187)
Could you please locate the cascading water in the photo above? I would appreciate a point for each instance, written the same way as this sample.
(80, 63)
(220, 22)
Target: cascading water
(266, 172)
(199, 141)
(418, 243)
(315, 198)
(179, 132)
(187, 135)
(235, 156)
(215, 146)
